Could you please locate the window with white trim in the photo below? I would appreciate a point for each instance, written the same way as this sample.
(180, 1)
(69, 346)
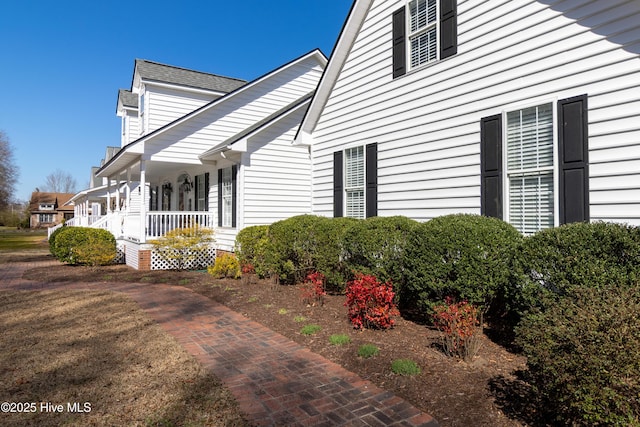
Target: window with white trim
(530, 168)
(44, 218)
(227, 197)
(46, 206)
(354, 182)
(423, 32)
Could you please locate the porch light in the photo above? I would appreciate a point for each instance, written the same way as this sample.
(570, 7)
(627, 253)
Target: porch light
(187, 185)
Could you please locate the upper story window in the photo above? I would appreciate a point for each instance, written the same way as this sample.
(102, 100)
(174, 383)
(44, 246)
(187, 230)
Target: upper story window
(423, 36)
(141, 112)
(424, 31)
(46, 206)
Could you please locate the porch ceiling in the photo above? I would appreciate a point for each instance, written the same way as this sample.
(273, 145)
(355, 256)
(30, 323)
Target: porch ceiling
(155, 171)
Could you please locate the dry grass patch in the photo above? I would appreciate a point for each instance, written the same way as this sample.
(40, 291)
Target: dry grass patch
(100, 348)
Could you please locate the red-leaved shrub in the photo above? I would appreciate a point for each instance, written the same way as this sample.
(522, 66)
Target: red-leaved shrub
(313, 290)
(461, 325)
(370, 302)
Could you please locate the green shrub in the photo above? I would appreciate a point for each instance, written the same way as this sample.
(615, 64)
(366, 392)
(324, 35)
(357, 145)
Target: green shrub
(52, 240)
(225, 266)
(467, 257)
(339, 339)
(405, 367)
(376, 246)
(82, 245)
(183, 247)
(250, 248)
(368, 350)
(302, 244)
(558, 260)
(583, 355)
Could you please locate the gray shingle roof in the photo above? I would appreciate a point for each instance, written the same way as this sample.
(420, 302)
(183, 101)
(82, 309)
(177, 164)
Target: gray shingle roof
(149, 70)
(128, 98)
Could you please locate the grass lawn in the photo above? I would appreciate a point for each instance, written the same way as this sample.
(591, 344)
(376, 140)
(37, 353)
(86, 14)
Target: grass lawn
(12, 239)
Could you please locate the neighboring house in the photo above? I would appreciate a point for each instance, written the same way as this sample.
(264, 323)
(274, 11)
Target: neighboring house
(48, 209)
(205, 149)
(523, 110)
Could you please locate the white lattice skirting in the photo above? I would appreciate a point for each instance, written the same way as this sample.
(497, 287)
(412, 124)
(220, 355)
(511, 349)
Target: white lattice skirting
(198, 261)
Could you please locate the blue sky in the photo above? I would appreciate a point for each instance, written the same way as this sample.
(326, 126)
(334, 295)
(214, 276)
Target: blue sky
(62, 63)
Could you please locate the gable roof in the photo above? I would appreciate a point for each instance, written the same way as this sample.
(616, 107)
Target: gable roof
(130, 152)
(257, 126)
(40, 197)
(128, 98)
(341, 50)
(155, 71)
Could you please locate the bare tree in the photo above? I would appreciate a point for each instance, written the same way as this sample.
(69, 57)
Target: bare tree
(60, 182)
(8, 172)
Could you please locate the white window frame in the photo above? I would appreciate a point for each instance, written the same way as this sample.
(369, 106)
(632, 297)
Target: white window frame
(353, 189)
(227, 197)
(554, 169)
(427, 28)
(201, 193)
(46, 218)
(46, 206)
(141, 109)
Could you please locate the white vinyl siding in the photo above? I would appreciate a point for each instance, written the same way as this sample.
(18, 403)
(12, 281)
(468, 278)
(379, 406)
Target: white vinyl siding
(354, 182)
(530, 168)
(426, 124)
(423, 35)
(227, 198)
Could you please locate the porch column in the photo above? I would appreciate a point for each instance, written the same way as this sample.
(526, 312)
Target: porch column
(128, 199)
(118, 193)
(143, 205)
(109, 195)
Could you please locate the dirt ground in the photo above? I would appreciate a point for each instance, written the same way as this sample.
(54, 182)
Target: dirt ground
(485, 392)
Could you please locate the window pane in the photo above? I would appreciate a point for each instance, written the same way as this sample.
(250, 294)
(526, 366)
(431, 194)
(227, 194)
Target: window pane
(355, 203)
(227, 198)
(531, 202)
(421, 13)
(423, 48)
(530, 138)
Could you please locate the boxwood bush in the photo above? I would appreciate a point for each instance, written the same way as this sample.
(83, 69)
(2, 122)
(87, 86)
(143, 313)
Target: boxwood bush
(558, 260)
(583, 355)
(466, 257)
(307, 243)
(52, 240)
(83, 245)
(250, 246)
(376, 246)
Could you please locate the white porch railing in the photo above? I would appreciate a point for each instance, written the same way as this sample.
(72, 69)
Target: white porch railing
(157, 224)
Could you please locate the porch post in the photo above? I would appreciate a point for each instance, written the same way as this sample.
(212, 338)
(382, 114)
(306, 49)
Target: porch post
(109, 195)
(128, 200)
(118, 193)
(143, 204)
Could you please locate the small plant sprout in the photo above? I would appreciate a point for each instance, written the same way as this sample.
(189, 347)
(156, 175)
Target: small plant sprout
(299, 319)
(339, 339)
(283, 311)
(405, 367)
(253, 299)
(368, 350)
(310, 329)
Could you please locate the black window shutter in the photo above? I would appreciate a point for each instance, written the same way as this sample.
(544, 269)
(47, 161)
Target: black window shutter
(448, 28)
(337, 184)
(206, 191)
(573, 155)
(399, 52)
(219, 197)
(491, 166)
(234, 194)
(371, 171)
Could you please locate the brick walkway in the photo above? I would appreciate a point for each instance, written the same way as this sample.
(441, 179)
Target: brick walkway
(276, 381)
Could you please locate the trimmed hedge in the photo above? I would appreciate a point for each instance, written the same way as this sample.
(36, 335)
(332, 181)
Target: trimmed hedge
(250, 246)
(597, 254)
(583, 356)
(376, 246)
(52, 240)
(83, 245)
(467, 257)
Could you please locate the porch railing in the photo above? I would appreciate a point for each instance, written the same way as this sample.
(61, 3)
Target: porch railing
(160, 223)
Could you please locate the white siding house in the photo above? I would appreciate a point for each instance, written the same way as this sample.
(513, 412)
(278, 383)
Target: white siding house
(524, 110)
(210, 150)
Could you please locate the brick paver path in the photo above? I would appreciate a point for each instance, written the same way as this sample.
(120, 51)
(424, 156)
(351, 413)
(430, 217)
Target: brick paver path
(276, 381)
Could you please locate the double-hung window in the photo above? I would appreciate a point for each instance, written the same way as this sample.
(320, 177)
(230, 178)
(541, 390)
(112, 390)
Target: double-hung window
(227, 197)
(354, 182)
(530, 168)
(202, 189)
(423, 34)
